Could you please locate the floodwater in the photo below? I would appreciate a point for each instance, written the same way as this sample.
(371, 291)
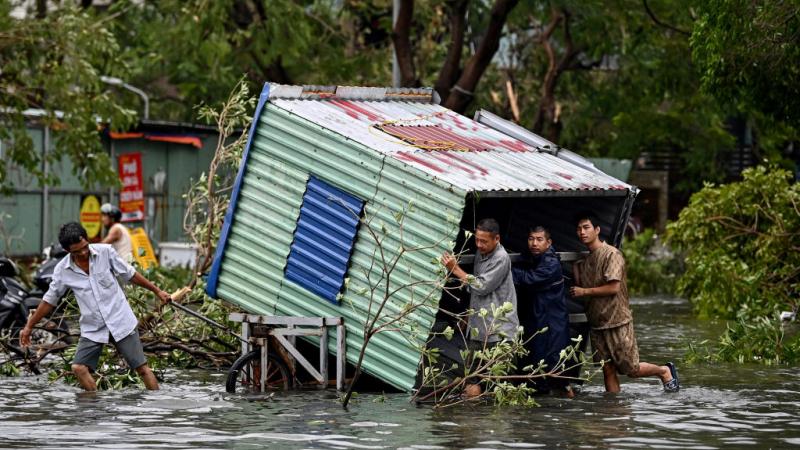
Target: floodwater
(719, 407)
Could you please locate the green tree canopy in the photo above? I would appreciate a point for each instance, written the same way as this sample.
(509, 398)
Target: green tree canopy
(605, 78)
(54, 64)
(748, 53)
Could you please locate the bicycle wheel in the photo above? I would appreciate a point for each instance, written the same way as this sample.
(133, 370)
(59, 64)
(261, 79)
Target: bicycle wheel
(245, 374)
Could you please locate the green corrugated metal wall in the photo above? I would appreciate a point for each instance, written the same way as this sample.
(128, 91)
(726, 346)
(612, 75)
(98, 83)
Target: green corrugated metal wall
(286, 150)
(183, 164)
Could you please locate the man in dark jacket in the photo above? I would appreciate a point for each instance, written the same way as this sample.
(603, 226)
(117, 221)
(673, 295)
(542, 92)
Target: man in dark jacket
(541, 305)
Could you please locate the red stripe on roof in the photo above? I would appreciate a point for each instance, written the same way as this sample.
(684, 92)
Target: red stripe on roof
(407, 156)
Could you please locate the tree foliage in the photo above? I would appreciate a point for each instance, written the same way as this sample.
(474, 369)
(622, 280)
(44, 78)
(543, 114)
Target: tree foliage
(54, 64)
(742, 245)
(651, 267)
(605, 78)
(748, 53)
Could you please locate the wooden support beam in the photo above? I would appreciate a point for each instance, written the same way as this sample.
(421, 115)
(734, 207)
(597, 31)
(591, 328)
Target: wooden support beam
(246, 336)
(323, 355)
(300, 358)
(340, 356)
(264, 364)
(277, 320)
(296, 331)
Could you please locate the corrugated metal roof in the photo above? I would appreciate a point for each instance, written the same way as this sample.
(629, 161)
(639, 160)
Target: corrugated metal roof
(509, 165)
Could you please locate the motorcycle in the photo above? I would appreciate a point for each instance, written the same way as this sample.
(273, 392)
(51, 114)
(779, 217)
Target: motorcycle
(16, 304)
(53, 254)
(15, 301)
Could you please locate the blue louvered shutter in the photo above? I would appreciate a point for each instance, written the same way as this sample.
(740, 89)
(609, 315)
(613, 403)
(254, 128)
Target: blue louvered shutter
(323, 239)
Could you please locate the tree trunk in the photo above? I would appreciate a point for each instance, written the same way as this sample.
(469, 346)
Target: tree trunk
(547, 121)
(401, 37)
(463, 91)
(451, 69)
(41, 9)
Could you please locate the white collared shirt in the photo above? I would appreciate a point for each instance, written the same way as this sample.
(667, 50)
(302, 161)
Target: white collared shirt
(104, 308)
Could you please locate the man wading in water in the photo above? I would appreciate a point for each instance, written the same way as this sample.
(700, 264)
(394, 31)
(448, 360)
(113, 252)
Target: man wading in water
(601, 277)
(490, 288)
(90, 270)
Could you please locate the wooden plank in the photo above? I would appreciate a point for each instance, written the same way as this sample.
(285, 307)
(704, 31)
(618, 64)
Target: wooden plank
(468, 260)
(277, 320)
(295, 332)
(323, 355)
(264, 365)
(292, 340)
(245, 336)
(300, 358)
(578, 318)
(340, 357)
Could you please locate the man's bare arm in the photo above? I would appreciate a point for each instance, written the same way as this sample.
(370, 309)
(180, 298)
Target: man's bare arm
(451, 264)
(42, 310)
(139, 280)
(113, 236)
(608, 289)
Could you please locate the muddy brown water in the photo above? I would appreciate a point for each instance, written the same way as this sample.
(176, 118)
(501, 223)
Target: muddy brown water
(720, 406)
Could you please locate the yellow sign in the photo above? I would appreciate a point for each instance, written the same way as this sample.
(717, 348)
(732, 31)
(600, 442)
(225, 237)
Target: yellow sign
(90, 216)
(142, 249)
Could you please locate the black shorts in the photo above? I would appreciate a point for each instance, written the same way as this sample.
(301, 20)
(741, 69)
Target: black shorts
(130, 348)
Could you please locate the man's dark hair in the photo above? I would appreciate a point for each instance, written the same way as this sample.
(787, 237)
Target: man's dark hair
(587, 215)
(540, 229)
(71, 233)
(489, 226)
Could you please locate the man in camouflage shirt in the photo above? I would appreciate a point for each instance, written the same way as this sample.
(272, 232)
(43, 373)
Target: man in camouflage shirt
(601, 278)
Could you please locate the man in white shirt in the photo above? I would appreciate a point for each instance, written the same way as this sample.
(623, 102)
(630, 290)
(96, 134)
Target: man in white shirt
(90, 270)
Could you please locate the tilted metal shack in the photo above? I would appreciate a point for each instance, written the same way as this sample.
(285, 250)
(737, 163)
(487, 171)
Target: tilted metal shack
(319, 157)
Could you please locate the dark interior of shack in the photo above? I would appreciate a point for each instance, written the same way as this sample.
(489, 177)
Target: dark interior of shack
(516, 215)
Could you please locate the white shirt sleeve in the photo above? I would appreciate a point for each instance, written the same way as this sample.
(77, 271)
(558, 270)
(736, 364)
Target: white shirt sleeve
(119, 266)
(57, 288)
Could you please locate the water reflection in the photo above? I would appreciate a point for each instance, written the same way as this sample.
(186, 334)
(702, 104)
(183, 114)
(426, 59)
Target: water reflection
(719, 407)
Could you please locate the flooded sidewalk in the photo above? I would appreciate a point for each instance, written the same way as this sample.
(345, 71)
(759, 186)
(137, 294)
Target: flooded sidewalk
(719, 406)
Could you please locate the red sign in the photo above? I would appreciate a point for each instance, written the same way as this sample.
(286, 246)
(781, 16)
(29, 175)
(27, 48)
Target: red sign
(131, 197)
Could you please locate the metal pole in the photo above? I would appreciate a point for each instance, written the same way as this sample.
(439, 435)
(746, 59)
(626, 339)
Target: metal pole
(113, 164)
(114, 81)
(45, 187)
(395, 66)
(145, 98)
(205, 319)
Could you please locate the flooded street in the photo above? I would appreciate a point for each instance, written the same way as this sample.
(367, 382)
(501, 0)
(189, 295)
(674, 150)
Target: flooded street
(720, 406)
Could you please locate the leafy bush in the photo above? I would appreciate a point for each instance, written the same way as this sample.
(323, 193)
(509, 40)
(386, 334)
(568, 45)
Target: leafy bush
(762, 339)
(652, 267)
(742, 245)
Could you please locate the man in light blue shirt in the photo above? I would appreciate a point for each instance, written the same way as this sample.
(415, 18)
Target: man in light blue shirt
(90, 270)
